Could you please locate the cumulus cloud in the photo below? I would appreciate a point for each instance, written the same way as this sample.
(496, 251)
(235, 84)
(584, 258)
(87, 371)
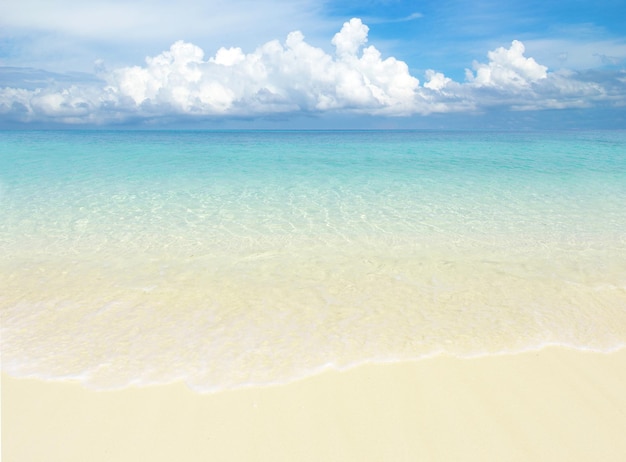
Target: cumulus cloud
(511, 79)
(436, 80)
(296, 77)
(293, 76)
(507, 68)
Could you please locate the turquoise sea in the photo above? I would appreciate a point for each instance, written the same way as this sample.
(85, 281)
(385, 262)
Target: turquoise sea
(234, 258)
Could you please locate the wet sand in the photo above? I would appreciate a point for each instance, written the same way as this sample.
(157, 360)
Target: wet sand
(555, 404)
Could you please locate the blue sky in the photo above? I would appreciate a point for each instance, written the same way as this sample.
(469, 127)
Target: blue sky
(305, 63)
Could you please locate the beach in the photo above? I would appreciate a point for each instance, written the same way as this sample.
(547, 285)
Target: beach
(552, 404)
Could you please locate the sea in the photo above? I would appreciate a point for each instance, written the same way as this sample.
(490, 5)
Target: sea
(226, 259)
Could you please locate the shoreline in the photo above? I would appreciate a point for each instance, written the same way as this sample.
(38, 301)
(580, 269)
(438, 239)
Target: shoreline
(551, 404)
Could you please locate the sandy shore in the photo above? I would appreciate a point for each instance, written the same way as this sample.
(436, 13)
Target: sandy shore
(551, 405)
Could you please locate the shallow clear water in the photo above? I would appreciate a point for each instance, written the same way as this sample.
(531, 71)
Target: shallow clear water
(233, 258)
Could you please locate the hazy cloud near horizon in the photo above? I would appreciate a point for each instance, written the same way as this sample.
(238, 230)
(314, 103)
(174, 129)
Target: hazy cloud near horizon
(294, 76)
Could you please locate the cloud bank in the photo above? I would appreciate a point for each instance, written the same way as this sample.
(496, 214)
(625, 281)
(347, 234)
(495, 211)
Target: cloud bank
(296, 77)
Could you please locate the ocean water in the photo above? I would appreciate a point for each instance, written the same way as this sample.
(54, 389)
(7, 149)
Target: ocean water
(227, 259)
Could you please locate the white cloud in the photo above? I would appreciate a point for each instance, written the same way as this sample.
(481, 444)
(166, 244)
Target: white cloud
(436, 80)
(228, 57)
(511, 79)
(507, 68)
(297, 77)
(351, 38)
(274, 78)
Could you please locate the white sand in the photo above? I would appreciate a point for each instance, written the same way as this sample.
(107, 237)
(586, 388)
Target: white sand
(555, 405)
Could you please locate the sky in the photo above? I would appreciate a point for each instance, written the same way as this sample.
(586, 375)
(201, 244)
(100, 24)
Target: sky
(312, 64)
